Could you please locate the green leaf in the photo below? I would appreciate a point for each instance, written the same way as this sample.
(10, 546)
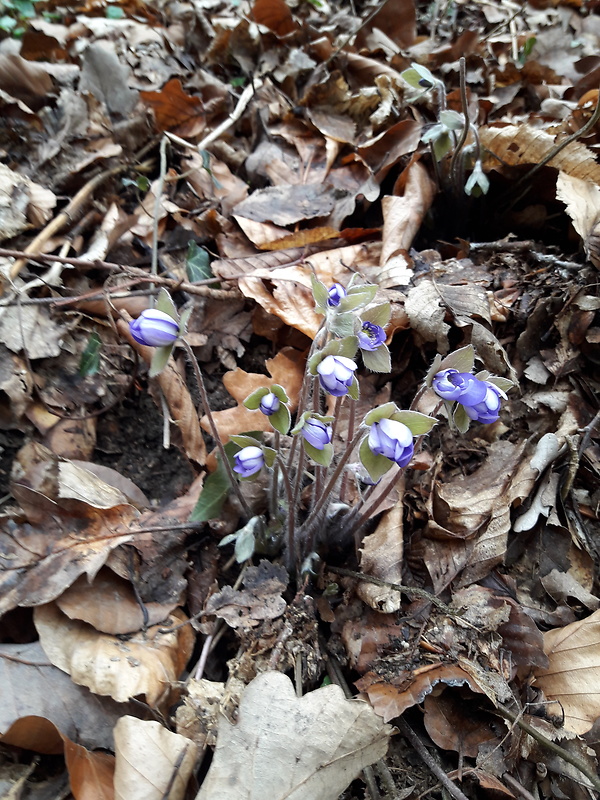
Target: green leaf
(378, 315)
(460, 419)
(381, 412)
(419, 77)
(184, 319)
(442, 145)
(245, 441)
(245, 544)
(165, 304)
(417, 423)
(280, 393)
(197, 263)
(452, 120)
(90, 358)
(322, 457)
(7, 23)
(25, 8)
(281, 419)
(502, 383)
(358, 297)
(377, 360)
(160, 358)
(270, 455)
(342, 324)
(320, 294)
(461, 360)
(213, 495)
(252, 402)
(354, 390)
(375, 465)
(342, 347)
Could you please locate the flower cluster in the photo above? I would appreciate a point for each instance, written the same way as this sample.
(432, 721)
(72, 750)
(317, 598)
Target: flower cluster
(479, 398)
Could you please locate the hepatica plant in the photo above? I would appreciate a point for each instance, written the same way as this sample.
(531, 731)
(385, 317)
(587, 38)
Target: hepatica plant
(316, 472)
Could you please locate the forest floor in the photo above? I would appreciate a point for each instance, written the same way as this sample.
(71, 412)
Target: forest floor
(230, 153)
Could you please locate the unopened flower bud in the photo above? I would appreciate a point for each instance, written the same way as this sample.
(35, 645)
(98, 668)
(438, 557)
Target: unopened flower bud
(336, 295)
(154, 328)
(336, 374)
(269, 404)
(392, 439)
(316, 433)
(248, 461)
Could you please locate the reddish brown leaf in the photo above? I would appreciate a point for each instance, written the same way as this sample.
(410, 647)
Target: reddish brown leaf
(175, 110)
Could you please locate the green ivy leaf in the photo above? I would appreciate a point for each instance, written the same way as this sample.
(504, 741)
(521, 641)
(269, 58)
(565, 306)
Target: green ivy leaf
(377, 360)
(375, 465)
(197, 263)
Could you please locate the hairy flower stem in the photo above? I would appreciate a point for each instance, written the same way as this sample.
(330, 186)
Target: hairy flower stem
(350, 436)
(303, 396)
(291, 515)
(274, 480)
(325, 494)
(213, 428)
(456, 164)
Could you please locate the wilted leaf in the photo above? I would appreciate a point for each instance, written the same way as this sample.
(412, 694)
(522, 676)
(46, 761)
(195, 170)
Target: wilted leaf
(145, 663)
(284, 746)
(260, 599)
(573, 674)
(381, 557)
(151, 762)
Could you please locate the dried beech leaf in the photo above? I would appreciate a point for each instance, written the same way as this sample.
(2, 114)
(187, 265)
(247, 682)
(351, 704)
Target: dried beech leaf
(522, 144)
(285, 747)
(453, 725)
(151, 762)
(582, 199)
(381, 557)
(175, 110)
(147, 663)
(426, 313)
(573, 674)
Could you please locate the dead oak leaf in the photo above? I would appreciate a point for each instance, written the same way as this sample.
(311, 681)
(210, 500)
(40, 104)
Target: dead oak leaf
(175, 110)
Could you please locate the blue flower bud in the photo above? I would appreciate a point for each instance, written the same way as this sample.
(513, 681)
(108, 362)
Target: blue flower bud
(269, 404)
(488, 409)
(450, 384)
(316, 433)
(335, 374)
(392, 439)
(154, 328)
(248, 461)
(336, 295)
(371, 336)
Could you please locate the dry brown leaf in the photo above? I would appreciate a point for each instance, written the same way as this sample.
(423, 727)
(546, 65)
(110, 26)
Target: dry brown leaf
(275, 15)
(396, 19)
(214, 181)
(259, 600)
(91, 775)
(151, 762)
(426, 313)
(521, 144)
(301, 238)
(175, 110)
(285, 205)
(453, 725)
(284, 746)
(573, 674)
(147, 663)
(391, 701)
(109, 604)
(381, 557)
(23, 203)
(286, 369)
(45, 703)
(582, 199)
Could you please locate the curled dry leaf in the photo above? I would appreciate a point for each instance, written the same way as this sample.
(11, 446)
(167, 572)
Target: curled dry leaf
(109, 604)
(152, 763)
(284, 746)
(260, 599)
(582, 199)
(381, 557)
(147, 663)
(452, 724)
(522, 144)
(573, 674)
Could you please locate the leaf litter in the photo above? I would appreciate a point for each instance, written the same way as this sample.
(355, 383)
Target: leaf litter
(283, 142)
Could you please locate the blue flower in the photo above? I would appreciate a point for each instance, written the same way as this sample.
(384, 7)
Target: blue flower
(248, 461)
(488, 409)
(336, 374)
(450, 384)
(371, 336)
(154, 328)
(336, 295)
(316, 433)
(392, 439)
(269, 404)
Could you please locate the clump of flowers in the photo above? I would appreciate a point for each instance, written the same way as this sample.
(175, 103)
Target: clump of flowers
(305, 464)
